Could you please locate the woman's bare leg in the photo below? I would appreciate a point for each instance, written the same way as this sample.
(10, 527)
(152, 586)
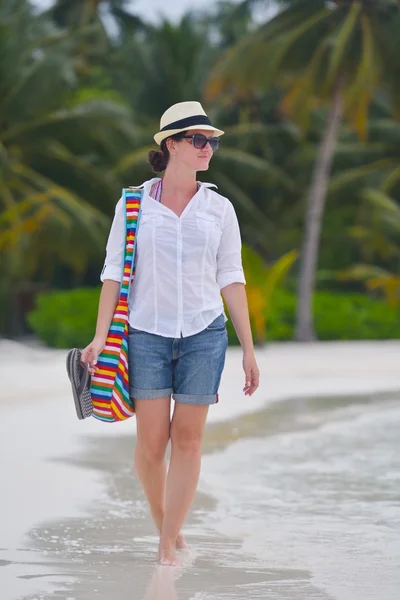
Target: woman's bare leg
(153, 430)
(187, 428)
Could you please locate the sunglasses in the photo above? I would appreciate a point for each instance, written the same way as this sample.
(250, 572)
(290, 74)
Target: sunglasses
(200, 141)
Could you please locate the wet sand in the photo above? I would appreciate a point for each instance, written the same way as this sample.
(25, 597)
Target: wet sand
(74, 521)
(111, 553)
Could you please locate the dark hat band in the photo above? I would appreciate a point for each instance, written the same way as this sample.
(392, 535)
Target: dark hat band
(188, 122)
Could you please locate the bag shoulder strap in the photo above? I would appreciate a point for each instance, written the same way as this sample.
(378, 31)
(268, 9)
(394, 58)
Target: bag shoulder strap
(132, 199)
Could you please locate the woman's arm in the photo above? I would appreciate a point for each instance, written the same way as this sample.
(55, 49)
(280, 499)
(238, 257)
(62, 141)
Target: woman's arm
(107, 304)
(111, 277)
(231, 279)
(236, 300)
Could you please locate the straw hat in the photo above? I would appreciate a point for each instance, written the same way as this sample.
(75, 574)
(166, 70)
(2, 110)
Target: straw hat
(182, 117)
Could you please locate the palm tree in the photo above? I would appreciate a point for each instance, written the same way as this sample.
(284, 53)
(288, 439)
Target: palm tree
(161, 65)
(75, 13)
(57, 146)
(379, 238)
(333, 54)
(229, 22)
(370, 187)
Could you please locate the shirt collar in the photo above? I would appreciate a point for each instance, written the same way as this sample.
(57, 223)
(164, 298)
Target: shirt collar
(207, 185)
(149, 183)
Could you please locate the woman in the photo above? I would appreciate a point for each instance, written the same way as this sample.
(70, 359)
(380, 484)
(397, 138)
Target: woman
(188, 252)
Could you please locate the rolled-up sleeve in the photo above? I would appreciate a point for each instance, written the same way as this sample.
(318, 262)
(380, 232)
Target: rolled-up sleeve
(229, 255)
(115, 247)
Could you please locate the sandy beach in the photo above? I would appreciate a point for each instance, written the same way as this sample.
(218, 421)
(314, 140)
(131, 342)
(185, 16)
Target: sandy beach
(298, 496)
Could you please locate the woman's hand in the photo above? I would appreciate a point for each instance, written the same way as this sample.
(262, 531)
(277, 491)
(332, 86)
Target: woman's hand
(252, 373)
(91, 352)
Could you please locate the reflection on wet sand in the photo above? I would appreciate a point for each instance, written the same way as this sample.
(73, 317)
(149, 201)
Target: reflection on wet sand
(162, 584)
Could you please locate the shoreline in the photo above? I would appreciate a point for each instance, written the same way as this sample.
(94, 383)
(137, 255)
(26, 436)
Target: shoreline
(44, 440)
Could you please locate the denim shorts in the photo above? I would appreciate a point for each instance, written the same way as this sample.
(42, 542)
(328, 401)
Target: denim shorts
(189, 368)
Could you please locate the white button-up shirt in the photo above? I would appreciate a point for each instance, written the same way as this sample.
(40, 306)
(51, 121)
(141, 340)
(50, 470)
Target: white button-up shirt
(182, 263)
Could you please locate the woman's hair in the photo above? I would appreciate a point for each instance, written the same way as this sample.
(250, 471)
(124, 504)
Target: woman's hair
(159, 159)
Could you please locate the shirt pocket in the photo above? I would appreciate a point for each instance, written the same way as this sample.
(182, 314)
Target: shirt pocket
(209, 227)
(148, 225)
(148, 233)
(150, 220)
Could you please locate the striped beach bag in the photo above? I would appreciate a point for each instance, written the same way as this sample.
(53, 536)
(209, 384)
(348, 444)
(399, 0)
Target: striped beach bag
(109, 387)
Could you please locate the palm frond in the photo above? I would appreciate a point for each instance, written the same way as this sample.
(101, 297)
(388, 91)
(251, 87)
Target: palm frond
(259, 165)
(391, 180)
(91, 112)
(132, 159)
(350, 176)
(245, 202)
(340, 42)
(388, 208)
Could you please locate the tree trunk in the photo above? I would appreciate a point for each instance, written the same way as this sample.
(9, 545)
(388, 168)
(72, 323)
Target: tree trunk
(314, 215)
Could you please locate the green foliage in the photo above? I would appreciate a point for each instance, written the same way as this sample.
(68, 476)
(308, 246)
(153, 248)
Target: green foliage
(354, 317)
(67, 319)
(262, 283)
(337, 317)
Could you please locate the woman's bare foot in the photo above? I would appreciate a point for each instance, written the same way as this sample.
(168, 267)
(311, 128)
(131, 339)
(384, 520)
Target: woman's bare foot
(166, 555)
(181, 542)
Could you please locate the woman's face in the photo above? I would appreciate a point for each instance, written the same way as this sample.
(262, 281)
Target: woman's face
(186, 154)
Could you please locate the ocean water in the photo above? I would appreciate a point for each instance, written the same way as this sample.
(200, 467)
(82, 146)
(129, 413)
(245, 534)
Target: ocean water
(298, 501)
(315, 486)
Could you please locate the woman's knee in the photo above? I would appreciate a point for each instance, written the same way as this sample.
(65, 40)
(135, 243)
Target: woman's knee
(153, 424)
(153, 448)
(186, 439)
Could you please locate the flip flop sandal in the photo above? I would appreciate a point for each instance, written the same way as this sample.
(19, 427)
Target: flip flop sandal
(80, 378)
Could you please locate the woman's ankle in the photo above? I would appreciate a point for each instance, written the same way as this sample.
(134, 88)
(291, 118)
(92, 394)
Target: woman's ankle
(167, 542)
